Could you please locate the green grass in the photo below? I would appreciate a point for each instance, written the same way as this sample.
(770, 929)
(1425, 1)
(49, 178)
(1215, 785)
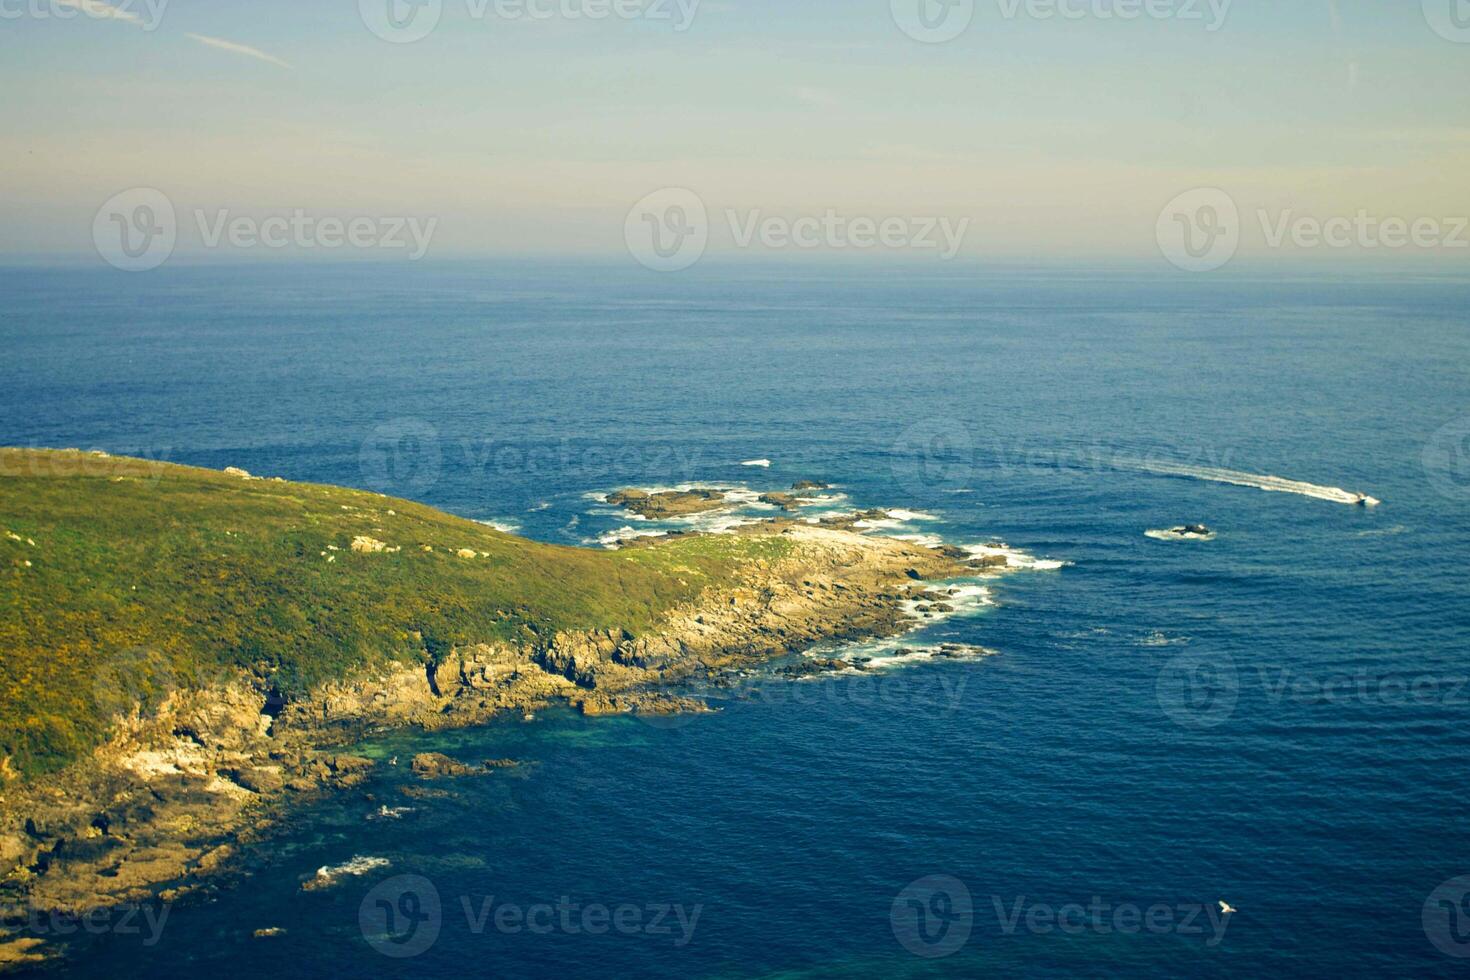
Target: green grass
(144, 576)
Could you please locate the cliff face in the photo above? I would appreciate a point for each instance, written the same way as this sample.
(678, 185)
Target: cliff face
(168, 799)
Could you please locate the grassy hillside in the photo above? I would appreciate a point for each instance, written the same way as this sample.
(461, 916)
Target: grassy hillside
(120, 578)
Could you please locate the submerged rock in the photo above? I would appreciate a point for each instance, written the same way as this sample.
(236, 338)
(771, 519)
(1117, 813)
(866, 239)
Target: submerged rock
(432, 765)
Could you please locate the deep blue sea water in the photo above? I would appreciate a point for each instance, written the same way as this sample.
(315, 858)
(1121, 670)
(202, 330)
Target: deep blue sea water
(1278, 718)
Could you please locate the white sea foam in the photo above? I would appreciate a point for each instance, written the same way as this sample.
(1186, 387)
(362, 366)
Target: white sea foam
(615, 537)
(967, 598)
(1273, 484)
(357, 866)
(1015, 559)
(504, 526)
(927, 540)
(386, 812)
(1161, 639)
(762, 463)
(543, 505)
(912, 515)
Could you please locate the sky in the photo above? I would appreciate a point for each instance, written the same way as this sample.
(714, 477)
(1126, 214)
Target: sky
(1047, 136)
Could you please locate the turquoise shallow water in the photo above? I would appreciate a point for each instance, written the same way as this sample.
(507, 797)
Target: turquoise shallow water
(1278, 717)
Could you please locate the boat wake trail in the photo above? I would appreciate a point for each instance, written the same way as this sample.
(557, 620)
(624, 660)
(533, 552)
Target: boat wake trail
(1273, 484)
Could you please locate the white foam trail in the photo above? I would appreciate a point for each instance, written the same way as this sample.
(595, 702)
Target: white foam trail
(1272, 484)
(1173, 535)
(505, 527)
(762, 463)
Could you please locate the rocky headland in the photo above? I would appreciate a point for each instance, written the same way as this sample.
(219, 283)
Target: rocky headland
(173, 796)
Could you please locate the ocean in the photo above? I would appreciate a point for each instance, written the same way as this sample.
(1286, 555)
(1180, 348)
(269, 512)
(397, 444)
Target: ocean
(1277, 717)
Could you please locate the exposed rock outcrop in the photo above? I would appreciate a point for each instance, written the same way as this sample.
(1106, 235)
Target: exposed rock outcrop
(667, 503)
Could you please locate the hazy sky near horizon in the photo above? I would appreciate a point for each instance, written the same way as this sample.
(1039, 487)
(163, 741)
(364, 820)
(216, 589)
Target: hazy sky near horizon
(1054, 137)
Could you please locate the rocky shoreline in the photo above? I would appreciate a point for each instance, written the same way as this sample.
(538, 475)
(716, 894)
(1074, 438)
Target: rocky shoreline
(172, 800)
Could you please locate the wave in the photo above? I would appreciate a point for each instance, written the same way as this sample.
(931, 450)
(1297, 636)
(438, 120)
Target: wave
(911, 515)
(1015, 559)
(762, 463)
(503, 526)
(614, 538)
(1272, 484)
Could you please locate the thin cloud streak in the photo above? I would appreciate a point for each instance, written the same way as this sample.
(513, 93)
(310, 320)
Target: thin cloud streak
(231, 46)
